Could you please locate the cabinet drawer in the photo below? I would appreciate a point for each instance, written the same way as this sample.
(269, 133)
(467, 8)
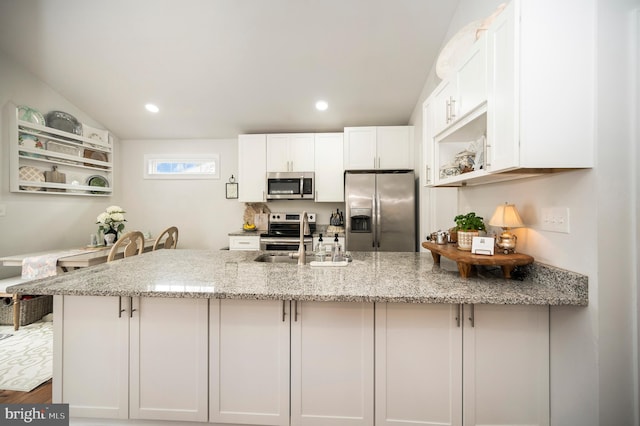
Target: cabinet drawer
(244, 242)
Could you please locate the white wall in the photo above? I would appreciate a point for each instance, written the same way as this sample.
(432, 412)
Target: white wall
(40, 222)
(197, 207)
(593, 357)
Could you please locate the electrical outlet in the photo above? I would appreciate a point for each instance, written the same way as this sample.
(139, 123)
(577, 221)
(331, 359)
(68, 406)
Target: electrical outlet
(555, 219)
(3, 210)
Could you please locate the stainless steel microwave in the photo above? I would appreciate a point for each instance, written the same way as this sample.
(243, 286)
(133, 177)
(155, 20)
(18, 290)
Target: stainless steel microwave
(290, 185)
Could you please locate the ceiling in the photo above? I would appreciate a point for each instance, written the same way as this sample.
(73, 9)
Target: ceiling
(218, 68)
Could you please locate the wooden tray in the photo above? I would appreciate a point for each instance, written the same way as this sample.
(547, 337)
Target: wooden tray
(465, 259)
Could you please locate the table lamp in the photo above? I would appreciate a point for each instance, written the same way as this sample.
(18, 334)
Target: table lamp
(506, 217)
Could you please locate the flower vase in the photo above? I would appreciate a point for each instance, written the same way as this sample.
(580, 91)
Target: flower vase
(110, 237)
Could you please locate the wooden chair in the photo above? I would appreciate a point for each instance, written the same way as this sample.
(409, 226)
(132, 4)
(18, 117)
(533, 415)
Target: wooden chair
(171, 241)
(133, 243)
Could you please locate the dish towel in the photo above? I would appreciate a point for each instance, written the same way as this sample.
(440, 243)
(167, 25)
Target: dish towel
(44, 265)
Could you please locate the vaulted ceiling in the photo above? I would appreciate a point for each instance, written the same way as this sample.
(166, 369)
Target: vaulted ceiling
(217, 68)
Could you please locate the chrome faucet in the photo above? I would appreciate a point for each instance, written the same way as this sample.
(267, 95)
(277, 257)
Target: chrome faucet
(304, 230)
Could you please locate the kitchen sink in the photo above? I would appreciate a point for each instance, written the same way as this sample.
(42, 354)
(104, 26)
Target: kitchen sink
(275, 258)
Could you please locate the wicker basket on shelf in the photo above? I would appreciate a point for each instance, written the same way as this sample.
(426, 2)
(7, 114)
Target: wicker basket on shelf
(31, 310)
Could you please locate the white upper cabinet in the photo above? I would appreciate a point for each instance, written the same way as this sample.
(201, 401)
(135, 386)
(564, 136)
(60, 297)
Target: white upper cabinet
(465, 90)
(551, 109)
(360, 152)
(388, 147)
(539, 92)
(329, 167)
(252, 168)
(395, 147)
(290, 152)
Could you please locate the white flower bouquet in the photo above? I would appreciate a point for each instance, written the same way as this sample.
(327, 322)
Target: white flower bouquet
(111, 220)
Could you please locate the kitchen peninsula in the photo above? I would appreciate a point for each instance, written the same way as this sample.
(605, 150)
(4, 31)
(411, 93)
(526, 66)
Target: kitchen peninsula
(213, 336)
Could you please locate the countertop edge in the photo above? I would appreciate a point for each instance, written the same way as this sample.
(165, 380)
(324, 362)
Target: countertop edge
(387, 282)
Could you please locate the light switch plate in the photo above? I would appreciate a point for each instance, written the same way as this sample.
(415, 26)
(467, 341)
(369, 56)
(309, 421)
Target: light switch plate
(555, 219)
(3, 210)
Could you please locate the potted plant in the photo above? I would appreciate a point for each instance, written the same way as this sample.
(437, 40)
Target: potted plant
(468, 226)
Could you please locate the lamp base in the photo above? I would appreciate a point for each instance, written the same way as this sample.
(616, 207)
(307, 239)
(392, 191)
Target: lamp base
(506, 242)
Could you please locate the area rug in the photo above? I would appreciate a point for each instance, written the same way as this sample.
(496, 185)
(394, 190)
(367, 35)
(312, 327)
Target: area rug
(26, 359)
(5, 336)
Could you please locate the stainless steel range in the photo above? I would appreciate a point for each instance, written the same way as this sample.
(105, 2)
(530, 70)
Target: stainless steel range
(284, 232)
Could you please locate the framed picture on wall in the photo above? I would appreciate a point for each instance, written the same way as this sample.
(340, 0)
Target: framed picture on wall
(232, 188)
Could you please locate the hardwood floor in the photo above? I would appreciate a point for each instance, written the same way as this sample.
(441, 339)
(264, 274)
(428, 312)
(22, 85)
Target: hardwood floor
(40, 395)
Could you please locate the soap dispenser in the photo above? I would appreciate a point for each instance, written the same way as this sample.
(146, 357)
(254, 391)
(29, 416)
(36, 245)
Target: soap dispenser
(320, 253)
(337, 250)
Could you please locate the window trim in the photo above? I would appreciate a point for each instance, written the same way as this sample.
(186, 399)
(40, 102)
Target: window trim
(149, 159)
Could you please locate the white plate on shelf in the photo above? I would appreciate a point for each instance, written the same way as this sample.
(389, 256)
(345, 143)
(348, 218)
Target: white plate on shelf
(95, 134)
(31, 115)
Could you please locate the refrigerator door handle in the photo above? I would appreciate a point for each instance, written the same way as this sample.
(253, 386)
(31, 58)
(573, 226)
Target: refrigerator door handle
(378, 219)
(374, 220)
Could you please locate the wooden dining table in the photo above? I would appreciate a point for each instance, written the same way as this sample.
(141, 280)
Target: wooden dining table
(80, 258)
(76, 258)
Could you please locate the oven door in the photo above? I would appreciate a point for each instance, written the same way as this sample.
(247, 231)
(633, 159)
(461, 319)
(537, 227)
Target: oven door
(284, 244)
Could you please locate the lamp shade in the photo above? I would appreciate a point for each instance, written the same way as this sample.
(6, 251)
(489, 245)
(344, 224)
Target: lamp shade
(506, 216)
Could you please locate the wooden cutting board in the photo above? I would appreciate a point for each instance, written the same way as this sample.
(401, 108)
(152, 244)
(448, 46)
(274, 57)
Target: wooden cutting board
(55, 176)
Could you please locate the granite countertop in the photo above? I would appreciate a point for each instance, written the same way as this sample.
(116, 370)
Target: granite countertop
(373, 277)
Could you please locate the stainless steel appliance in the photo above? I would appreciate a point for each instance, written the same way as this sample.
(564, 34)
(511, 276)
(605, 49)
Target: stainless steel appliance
(284, 232)
(290, 185)
(380, 210)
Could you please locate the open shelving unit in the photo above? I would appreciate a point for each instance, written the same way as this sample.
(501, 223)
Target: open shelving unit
(81, 165)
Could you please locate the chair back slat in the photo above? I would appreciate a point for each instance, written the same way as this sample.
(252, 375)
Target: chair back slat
(167, 239)
(132, 242)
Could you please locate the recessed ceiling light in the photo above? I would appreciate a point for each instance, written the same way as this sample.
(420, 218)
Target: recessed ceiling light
(152, 108)
(322, 105)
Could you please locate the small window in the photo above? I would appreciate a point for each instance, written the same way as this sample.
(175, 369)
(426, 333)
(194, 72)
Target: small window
(194, 166)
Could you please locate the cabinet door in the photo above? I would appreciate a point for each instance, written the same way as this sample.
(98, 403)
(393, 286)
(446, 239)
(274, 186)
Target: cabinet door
(91, 356)
(472, 79)
(395, 147)
(428, 128)
(329, 167)
(359, 148)
(249, 362)
(506, 365)
(301, 152)
(169, 359)
(278, 159)
(290, 152)
(332, 364)
(252, 168)
(418, 364)
(503, 114)
(442, 95)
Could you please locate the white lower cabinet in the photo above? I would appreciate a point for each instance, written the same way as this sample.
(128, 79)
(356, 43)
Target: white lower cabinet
(332, 364)
(506, 365)
(244, 242)
(281, 363)
(318, 355)
(462, 365)
(138, 358)
(418, 364)
(249, 362)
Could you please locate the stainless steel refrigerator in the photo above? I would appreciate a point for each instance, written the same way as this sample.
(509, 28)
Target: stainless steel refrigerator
(380, 210)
